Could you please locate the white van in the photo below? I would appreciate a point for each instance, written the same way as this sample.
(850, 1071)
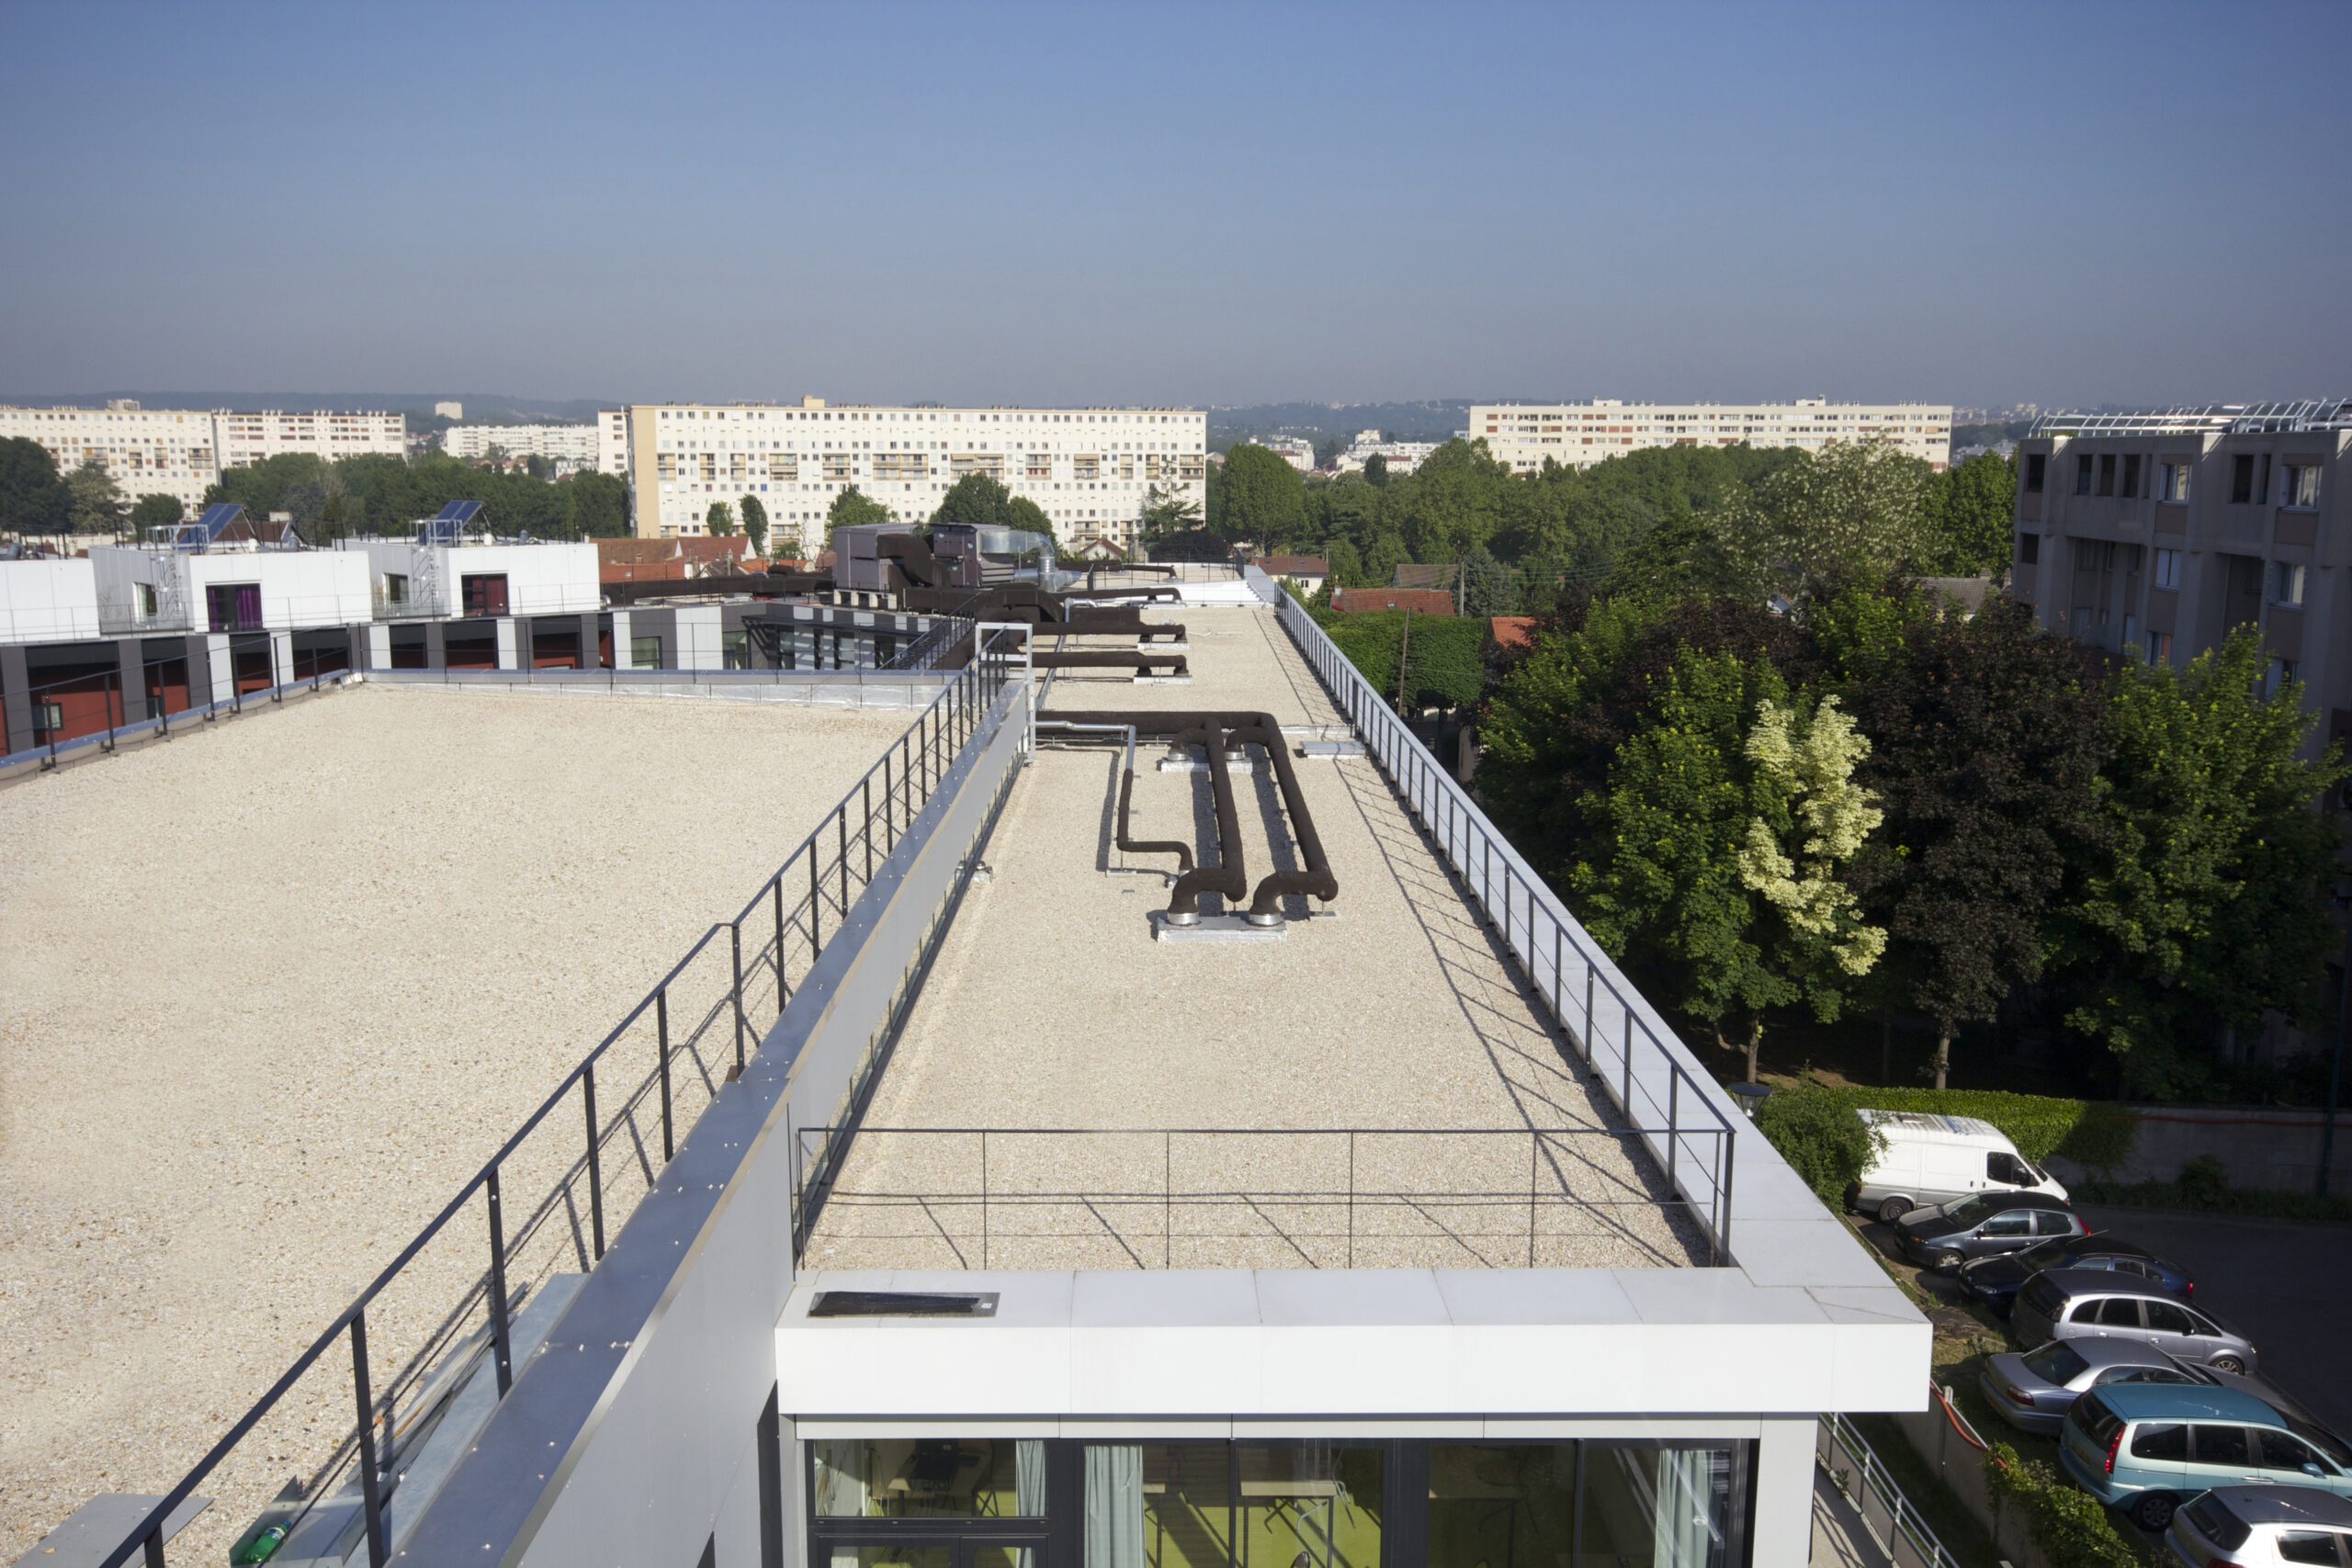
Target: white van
(1934, 1159)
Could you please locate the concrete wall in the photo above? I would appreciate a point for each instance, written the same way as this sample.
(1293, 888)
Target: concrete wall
(47, 601)
(299, 589)
(2259, 1146)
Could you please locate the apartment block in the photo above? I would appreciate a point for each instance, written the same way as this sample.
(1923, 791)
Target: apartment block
(2154, 536)
(180, 452)
(571, 443)
(1577, 435)
(612, 442)
(147, 451)
(244, 439)
(1090, 470)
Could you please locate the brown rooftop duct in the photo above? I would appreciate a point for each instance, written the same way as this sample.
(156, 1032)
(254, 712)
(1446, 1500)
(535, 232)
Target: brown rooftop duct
(1215, 732)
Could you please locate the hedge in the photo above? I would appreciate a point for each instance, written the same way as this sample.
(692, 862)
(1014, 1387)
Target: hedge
(2093, 1134)
(1445, 662)
(2071, 1526)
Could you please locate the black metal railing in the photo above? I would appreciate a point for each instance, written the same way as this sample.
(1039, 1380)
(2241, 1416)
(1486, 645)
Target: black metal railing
(62, 721)
(688, 1037)
(1657, 1084)
(944, 633)
(1199, 1197)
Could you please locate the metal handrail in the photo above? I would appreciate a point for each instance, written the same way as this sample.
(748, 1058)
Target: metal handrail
(815, 1183)
(118, 722)
(1638, 1062)
(909, 772)
(1904, 1527)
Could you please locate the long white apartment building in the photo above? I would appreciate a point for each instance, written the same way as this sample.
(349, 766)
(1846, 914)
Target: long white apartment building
(1088, 469)
(576, 442)
(180, 452)
(1577, 435)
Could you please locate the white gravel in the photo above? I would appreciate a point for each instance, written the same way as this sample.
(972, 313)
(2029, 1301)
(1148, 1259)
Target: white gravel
(269, 994)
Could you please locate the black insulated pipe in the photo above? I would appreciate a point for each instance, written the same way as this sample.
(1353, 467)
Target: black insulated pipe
(1183, 852)
(1230, 876)
(1316, 878)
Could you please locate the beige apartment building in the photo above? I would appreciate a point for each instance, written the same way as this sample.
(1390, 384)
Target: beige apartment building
(1576, 435)
(180, 452)
(1090, 470)
(2154, 534)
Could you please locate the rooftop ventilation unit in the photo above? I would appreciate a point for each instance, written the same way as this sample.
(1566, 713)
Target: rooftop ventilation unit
(902, 1303)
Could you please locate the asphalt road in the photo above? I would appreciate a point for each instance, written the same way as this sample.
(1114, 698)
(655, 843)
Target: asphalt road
(2285, 1285)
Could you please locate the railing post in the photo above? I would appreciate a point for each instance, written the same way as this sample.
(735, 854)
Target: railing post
(661, 1023)
(816, 909)
(840, 833)
(154, 1546)
(890, 809)
(1723, 1189)
(114, 690)
(1168, 1200)
(595, 1168)
(865, 792)
(1673, 1120)
(1351, 1197)
(735, 939)
(984, 1198)
(1626, 1097)
(498, 1289)
(783, 991)
(371, 1500)
(1535, 1174)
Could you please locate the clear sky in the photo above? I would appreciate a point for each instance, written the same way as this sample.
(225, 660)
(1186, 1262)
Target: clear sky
(2072, 204)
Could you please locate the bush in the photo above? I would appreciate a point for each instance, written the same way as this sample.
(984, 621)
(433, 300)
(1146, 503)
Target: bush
(2090, 1133)
(1445, 662)
(2207, 1197)
(2204, 1182)
(2072, 1527)
(1816, 1130)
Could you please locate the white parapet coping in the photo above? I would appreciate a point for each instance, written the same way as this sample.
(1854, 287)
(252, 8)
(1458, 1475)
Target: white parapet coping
(1404, 1345)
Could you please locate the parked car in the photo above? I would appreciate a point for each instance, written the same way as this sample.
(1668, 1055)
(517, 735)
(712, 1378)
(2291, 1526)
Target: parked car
(1995, 1280)
(1932, 1160)
(2034, 1390)
(2256, 1527)
(2088, 1303)
(2145, 1448)
(1981, 1226)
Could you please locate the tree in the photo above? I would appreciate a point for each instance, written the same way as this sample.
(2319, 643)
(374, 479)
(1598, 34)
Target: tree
(755, 524)
(2205, 902)
(156, 511)
(1854, 510)
(975, 499)
(852, 510)
(33, 500)
(1263, 501)
(595, 506)
(1375, 471)
(1166, 513)
(1346, 566)
(1488, 587)
(1971, 512)
(1027, 516)
(95, 502)
(719, 521)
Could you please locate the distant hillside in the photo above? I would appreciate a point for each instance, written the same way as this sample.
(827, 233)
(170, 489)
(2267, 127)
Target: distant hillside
(1338, 423)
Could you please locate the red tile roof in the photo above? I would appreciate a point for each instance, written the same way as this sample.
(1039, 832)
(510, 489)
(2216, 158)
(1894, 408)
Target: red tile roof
(1420, 600)
(1513, 634)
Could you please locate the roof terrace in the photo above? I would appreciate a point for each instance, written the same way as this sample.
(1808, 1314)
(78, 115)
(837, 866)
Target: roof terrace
(1375, 1089)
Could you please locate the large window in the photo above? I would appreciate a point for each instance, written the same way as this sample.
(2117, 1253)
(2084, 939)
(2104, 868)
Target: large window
(904, 1478)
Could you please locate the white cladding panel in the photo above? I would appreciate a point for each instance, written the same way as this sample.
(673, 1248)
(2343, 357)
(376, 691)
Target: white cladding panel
(47, 601)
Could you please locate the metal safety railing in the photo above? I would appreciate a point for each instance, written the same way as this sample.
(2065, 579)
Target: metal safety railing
(1655, 1083)
(690, 1035)
(94, 710)
(1189, 1197)
(1857, 1471)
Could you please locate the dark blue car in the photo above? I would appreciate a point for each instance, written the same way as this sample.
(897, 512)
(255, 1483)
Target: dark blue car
(1995, 1280)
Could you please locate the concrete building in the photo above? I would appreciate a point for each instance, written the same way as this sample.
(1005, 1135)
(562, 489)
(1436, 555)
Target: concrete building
(2156, 534)
(180, 452)
(222, 573)
(1402, 456)
(243, 439)
(1295, 450)
(571, 443)
(145, 451)
(1090, 470)
(1577, 435)
(612, 442)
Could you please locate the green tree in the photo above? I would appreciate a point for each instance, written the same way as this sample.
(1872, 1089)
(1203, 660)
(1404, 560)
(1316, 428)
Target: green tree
(1166, 513)
(1375, 471)
(1263, 501)
(95, 504)
(1488, 587)
(156, 511)
(595, 506)
(1985, 748)
(1458, 499)
(1027, 514)
(1346, 566)
(2205, 903)
(719, 521)
(1854, 510)
(975, 499)
(33, 500)
(851, 510)
(1970, 517)
(755, 524)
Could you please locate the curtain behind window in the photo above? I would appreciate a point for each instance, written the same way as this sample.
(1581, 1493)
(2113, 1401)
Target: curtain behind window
(1114, 1506)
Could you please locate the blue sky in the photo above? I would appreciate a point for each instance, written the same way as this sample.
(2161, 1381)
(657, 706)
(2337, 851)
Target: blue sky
(2072, 204)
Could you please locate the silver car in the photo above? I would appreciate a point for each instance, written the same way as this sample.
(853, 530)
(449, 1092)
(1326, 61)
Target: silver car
(2034, 1390)
(2093, 1303)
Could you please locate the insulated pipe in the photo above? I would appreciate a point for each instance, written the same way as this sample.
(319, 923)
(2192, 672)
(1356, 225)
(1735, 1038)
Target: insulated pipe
(1140, 659)
(1183, 852)
(1230, 876)
(1316, 878)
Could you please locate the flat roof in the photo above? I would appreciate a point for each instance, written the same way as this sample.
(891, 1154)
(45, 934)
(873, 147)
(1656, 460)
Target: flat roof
(273, 991)
(1372, 1090)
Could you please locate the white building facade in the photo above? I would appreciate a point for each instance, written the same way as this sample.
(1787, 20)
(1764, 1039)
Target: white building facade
(1577, 435)
(1402, 456)
(1090, 471)
(573, 443)
(410, 581)
(180, 452)
(144, 591)
(612, 442)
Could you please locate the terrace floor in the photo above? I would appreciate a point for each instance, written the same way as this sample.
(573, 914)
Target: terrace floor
(1051, 1006)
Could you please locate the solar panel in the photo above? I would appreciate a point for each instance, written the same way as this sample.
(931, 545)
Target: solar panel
(460, 511)
(219, 515)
